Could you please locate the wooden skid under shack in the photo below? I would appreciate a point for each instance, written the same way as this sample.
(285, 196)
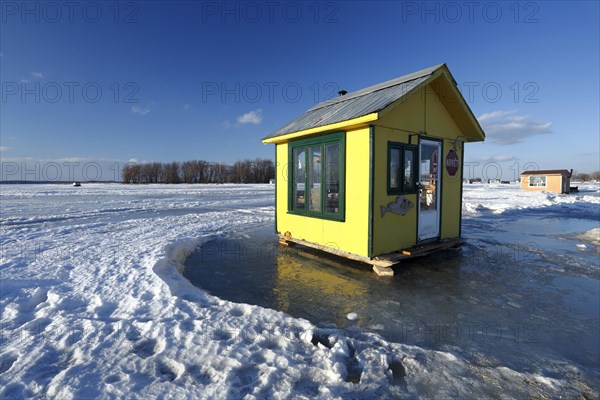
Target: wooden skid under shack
(382, 265)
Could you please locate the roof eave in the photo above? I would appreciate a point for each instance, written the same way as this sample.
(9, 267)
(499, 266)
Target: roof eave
(478, 129)
(546, 172)
(351, 123)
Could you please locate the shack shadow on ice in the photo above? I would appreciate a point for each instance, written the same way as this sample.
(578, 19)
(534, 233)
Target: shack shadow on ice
(376, 175)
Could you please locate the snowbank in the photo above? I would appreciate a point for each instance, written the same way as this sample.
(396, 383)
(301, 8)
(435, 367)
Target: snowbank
(93, 305)
(592, 236)
(499, 199)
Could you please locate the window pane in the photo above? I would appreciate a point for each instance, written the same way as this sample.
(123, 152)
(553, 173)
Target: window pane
(299, 177)
(428, 195)
(537, 181)
(409, 181)
(429, 177)
(332, 177)
(429, 161)
(394, 168)
(314, 177)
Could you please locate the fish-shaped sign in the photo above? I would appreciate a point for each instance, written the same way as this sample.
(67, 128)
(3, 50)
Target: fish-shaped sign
(399, 206)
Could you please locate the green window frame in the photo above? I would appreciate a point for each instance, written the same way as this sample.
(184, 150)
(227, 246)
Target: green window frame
(402, 168)
(316, 177)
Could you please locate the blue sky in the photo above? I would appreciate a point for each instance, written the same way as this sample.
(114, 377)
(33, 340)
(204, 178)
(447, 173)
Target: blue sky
(153, 80)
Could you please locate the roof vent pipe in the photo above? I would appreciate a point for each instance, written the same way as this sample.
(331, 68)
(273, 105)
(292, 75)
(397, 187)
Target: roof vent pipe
(342, 92)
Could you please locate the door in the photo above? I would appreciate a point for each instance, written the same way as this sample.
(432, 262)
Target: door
(429, 189)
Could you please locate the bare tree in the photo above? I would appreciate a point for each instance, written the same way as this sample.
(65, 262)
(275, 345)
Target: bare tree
(243, 172)
(151, 172)
(131, 173)
(170, 173)
(264, 170)
(189, 172)
(582, 176)
(199, 171)
(203, 172)
(219, 173)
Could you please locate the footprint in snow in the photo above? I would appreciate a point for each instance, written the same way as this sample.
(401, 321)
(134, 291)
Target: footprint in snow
(38, 297)
(168, 369)
(112, 378)
(222, 335)
(7, 361)
(197, 373)
(147, 348)
(247, 378)
(105, 310)
(237, 312)
(13, 391)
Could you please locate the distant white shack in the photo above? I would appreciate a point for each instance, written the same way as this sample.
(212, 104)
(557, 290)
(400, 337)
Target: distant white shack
(552, 180)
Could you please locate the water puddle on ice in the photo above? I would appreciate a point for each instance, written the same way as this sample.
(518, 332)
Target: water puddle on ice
(520, 294)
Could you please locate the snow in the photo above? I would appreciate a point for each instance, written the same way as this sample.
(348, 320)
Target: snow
(93, 305)
(352, 316)
(499, 199)
(592, 236)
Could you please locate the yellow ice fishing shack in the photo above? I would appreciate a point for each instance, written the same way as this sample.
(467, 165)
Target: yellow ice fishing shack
(376, 175)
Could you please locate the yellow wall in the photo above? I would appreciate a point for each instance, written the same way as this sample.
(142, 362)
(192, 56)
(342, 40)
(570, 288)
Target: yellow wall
(351, 235)
(423, 112)
(451, 193)
(390, 232)
(553, 184)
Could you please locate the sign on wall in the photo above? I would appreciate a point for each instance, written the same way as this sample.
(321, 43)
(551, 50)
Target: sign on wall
(452, 163)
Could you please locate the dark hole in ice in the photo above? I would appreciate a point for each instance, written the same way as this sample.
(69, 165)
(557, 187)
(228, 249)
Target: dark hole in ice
(398, 370)
(322, 338)
(353, 366)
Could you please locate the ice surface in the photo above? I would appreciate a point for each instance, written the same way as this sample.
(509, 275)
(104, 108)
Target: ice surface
(93, 304)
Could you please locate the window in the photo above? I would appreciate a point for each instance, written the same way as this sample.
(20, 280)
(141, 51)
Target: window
(317, 177)
(402, 171)
(299, 177)
(537, 181)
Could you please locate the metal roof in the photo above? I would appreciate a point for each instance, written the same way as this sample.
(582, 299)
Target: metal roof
(356, 104)
(547, 172)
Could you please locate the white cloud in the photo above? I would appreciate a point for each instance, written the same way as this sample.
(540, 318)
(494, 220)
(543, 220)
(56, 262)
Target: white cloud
(23, 81)
(252, 117)
(503, 127)
(495, 114)
(187, 107)
(4, 149)
(73, 159)
(140, 110)
(497, 158)
(38, 75)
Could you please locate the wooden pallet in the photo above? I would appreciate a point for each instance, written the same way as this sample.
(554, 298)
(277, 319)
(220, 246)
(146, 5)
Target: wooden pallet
(381, 264)
(420, 250)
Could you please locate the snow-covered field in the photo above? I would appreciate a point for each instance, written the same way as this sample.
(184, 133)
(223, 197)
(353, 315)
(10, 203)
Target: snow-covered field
(498, 199)
(93, 305)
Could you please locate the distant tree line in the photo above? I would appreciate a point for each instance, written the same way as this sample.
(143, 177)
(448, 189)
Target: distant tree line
(199, 171)
(585, 177)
